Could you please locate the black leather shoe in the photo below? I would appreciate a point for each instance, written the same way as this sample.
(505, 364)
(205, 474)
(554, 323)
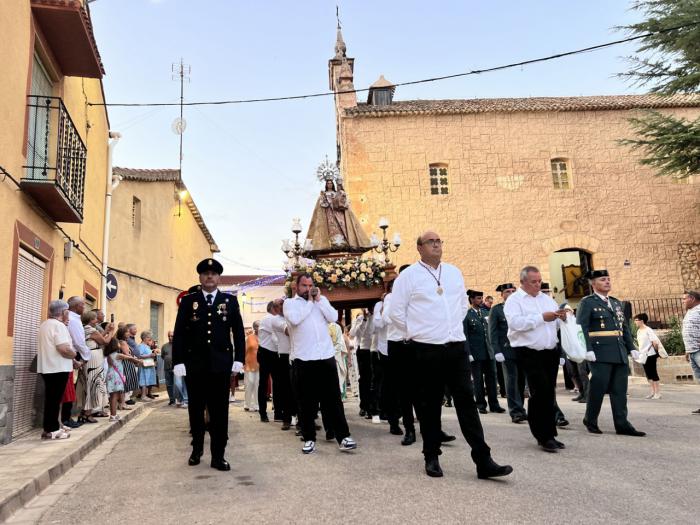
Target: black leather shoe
(583, 400)
(432, 468)
(409, 438)
(549, 446)
(577, 398)
(483, 411)
(562, 422)
(592, 428)
(368, 415)
(286, 426)
(559, 444)
(519, 419)
(446, 438)
(194, 458)
(498, 410)
(491, 469)
(220, 464)
(396, 430)
(631, 432)
(363, 413)
(264, 418)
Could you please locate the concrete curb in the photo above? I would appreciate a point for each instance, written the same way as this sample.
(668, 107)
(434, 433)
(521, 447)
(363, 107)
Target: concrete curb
(18, 498)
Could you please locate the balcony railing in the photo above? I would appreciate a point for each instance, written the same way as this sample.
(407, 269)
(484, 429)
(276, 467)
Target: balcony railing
(660, 311)
(56, 160)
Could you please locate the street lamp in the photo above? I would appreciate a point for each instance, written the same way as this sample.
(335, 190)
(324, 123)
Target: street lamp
(295, 250)
(383, 245)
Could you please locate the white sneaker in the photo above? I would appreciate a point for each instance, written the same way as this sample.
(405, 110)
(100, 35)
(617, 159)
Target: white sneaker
(650, 396)
(184, 405)
(347, 444)
(309, 447)
(656, 396)
(376, 420)
(294, 420)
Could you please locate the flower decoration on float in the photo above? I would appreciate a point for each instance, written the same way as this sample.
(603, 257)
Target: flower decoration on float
(347, 272)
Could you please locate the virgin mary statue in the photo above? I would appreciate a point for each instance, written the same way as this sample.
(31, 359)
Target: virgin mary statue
(334, 227)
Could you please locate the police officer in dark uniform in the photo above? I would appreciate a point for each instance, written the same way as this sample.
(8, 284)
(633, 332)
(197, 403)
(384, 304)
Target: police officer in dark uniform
(608, 341)
(483, 366)
(503, 353)
(208, 345)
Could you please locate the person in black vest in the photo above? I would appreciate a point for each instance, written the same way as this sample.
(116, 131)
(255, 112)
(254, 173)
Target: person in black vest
(207, 321)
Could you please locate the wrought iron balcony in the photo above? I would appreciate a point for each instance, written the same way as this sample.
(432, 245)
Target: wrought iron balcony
(56, 160)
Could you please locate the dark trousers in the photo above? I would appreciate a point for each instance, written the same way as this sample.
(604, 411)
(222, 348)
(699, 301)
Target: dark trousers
(402, 357)
(388, 394)
(443, 365)
(267, 360)
(54, 386)
(515, 387)
(608, 378)
(650, 368)
(558, 414)
(377, 380)
(169, 385)
(583, 370)
(210, 391)
(66, 411)
(483, 370)
(364, 367)
(538, 366)
(282, 390)
(500, 375)
(317, 383)
(572, 368)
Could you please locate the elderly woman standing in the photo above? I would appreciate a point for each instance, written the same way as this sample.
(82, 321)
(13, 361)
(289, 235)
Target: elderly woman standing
(96, 390)
(131, 371)
(648, 343)
(54, 362)
(147, 372)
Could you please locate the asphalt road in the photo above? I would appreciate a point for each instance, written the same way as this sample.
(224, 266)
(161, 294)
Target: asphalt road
(144, 477)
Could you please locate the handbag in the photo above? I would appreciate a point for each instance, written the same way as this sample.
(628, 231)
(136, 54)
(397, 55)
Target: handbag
(148, 362)
(663, 354)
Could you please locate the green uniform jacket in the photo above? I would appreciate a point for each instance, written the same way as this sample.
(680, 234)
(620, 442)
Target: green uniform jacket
(475, 329)
(599, 323)
(498, 332)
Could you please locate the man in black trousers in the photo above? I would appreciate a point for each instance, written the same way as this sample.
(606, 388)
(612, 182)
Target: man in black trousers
(207, 323)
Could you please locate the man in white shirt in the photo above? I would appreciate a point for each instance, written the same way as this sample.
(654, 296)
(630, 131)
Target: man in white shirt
(281, 378)
(268, 361)
(428, 304)
(315, 372)
(532, 331)
(54, 362)
(386, 380)
(691, 332)
(363, 330)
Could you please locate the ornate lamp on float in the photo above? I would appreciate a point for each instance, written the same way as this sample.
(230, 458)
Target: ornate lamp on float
(296, 250)
(383, 245)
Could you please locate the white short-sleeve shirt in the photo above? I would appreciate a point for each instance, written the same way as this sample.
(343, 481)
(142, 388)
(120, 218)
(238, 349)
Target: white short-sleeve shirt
(52, 333)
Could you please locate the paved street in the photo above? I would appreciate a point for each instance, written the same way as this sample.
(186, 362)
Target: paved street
(140, 474)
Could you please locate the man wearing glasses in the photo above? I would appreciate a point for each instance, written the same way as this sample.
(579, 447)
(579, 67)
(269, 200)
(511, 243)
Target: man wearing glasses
(429, 302)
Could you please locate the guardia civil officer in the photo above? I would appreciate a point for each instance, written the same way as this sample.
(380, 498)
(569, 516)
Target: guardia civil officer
(608, 341)
(483, 368)
(208, 345)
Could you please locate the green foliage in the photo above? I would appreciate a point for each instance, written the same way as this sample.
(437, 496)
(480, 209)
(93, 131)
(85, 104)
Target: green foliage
(668, 61)
(673, 341)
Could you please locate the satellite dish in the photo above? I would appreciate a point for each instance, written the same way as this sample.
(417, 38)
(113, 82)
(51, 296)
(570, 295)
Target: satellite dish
(179, 126)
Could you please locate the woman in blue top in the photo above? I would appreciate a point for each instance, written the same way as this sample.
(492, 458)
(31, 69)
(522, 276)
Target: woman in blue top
(147, 371)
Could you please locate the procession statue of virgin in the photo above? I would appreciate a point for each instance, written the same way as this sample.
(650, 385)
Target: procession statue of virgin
(334, 227)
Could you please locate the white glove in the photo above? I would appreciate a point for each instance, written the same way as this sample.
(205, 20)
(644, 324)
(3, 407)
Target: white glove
(500, 357)
(237, 367)
(179, 370)
(561, 361)
(635, 354)
(471, 359)
(590, 356)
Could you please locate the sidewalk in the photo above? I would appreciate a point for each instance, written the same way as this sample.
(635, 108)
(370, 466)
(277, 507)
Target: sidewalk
(29, 465)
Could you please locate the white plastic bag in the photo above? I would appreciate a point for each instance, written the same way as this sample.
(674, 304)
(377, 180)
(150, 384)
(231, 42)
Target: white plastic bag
(572, 340)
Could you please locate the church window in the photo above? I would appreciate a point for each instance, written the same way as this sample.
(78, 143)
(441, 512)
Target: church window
(438, 179)
(561, 178)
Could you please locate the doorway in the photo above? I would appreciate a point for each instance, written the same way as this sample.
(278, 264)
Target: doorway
(567, 270)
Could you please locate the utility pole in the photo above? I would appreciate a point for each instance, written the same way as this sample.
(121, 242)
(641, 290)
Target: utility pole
(181, 72)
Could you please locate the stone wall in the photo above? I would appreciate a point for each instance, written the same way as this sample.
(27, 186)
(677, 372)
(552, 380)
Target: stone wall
(502, 211)
(7, 382)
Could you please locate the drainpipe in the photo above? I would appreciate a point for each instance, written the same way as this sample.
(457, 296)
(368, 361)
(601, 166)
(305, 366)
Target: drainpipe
(112, 183)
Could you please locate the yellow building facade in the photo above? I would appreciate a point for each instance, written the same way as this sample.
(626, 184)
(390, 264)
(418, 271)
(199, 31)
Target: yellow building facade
(512, 182)
(53, 159)
(157, 237)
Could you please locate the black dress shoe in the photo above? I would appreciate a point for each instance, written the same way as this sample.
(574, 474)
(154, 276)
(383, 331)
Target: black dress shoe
(432, 468)
(264, 418)
(559, 444)
(491, 469)
(498, 410)
(409, 438)
(446, 438)
(483, 411)
(368, 415)
(363, 413)
(286, 426)
(562, 422)
(549, 446)
(577, 398)
(583, 400)
(519, 418)
(592, 428)
(631, 432)
(395, 430)
(220, 464)
(194, 458)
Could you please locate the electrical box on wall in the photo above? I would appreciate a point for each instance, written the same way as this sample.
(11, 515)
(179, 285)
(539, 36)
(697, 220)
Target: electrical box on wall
(68, 249)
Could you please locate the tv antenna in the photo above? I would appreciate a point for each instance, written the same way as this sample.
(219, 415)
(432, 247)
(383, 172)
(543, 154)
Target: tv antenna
(180, 72)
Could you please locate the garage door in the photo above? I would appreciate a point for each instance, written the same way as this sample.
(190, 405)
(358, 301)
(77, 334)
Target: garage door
(29, 311)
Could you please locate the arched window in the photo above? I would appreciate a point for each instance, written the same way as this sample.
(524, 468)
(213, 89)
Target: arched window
(438, 179)
(561, 174)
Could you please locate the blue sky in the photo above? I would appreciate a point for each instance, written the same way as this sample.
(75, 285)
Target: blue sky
(251, 168)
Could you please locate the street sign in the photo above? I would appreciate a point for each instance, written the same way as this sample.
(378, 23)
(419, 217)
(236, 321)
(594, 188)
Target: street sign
(112, 286)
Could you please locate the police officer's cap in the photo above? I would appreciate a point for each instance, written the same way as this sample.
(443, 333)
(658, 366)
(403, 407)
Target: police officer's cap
(210, 265)
(594, 274)
(505, 286)
(475, 293)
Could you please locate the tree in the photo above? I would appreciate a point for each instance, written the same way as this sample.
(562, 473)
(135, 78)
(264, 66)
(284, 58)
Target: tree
(667, 60)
